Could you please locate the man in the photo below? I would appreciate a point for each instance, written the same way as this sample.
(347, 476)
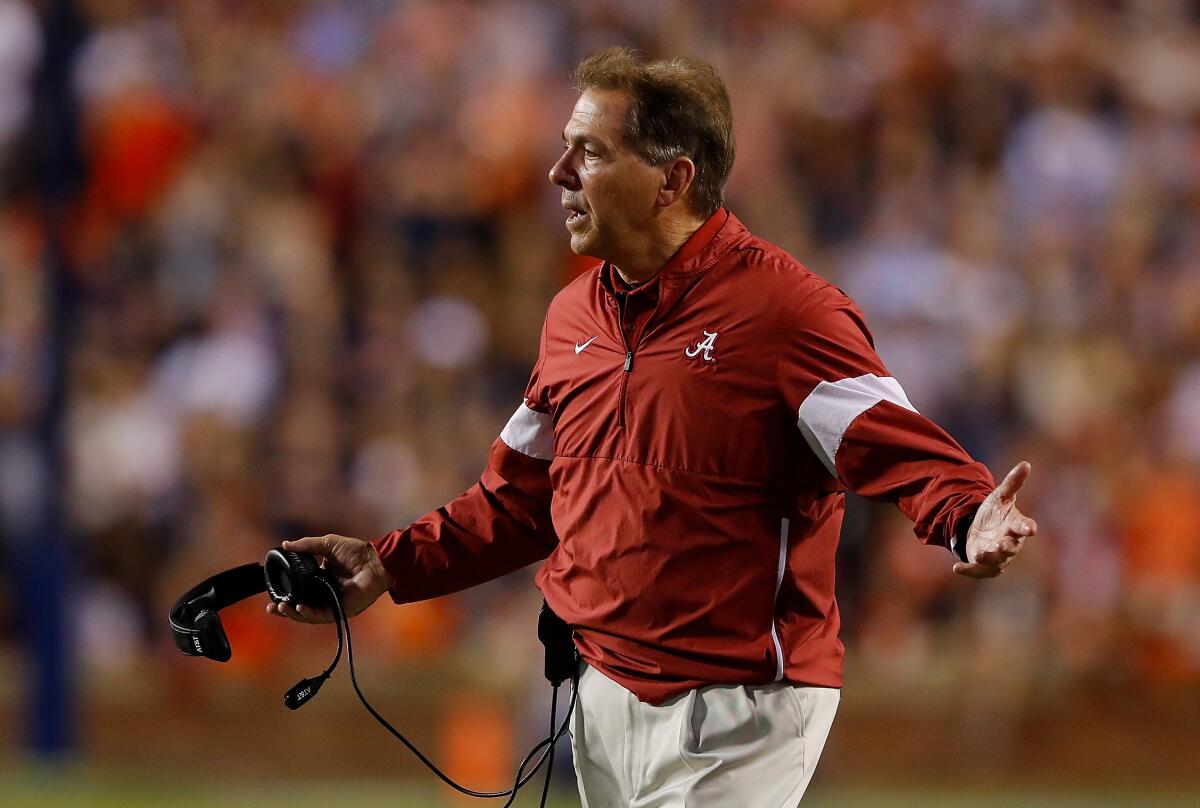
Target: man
(700, 404)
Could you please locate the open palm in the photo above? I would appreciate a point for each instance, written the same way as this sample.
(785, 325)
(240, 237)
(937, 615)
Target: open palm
(999, 529)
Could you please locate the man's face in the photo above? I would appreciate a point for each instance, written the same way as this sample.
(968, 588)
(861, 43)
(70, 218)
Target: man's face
(609, 191)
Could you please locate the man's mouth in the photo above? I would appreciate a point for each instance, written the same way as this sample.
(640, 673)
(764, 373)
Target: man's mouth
(576, 215)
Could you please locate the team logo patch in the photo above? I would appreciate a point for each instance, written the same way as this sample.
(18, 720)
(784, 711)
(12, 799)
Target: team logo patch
(703, 347)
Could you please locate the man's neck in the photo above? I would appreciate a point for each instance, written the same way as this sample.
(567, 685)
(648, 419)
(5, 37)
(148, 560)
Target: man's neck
(661, 246)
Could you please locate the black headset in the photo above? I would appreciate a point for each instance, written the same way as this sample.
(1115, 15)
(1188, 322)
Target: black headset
(286, 576)
(289, 577)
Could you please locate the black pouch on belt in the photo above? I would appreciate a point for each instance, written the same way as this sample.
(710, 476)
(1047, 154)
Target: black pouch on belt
(562, 660)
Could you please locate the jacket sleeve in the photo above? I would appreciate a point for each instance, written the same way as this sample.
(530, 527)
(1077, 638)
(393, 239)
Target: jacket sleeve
(861, 426)
(499, 525)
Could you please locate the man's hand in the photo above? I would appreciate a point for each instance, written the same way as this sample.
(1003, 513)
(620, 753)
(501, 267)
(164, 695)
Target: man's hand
(354, 564)
(999, 529)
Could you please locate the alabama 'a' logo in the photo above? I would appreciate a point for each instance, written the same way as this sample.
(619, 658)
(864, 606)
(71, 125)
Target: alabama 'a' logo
(704, 346)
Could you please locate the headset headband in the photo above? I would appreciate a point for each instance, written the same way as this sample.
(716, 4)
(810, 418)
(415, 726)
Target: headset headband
(194, 623)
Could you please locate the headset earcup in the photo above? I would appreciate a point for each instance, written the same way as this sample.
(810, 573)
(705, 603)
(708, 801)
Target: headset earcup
(211, 634)
(279, 583)
(302, 567)
(294, 578)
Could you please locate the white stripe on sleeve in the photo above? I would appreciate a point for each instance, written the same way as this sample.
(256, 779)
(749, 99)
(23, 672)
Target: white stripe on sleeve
(530, 432)
(832, 406)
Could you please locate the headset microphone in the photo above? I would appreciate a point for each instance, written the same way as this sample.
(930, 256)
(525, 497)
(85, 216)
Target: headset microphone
(290, 577)
(297, 578)
(302, 691)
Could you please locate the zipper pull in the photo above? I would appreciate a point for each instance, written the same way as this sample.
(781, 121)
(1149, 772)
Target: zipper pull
(628, 361)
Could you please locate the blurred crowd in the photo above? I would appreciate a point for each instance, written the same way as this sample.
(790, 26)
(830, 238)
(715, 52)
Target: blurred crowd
(315, 241)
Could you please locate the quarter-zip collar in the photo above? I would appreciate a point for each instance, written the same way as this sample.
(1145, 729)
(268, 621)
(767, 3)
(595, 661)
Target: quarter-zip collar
(699, 253)
(685, 259)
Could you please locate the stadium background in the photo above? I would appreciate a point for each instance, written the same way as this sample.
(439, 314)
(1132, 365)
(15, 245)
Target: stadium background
(273, 269)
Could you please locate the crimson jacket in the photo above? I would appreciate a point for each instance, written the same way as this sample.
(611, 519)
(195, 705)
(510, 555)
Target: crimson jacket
(680, 461)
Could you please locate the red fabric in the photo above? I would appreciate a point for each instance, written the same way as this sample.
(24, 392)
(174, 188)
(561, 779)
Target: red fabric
(497, 526)
(669, 482)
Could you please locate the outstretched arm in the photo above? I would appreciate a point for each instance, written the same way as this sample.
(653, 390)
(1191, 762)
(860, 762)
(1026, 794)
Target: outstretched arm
(861, 426)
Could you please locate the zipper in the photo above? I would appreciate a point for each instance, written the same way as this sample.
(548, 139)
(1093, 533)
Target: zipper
(628, 368)
(631, 341)
(624, 387)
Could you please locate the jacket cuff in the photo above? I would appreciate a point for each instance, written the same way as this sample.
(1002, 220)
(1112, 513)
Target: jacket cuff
(384, 545)
(958, 539)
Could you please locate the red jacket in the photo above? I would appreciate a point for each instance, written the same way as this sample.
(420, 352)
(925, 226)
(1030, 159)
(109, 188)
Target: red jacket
(680, 461)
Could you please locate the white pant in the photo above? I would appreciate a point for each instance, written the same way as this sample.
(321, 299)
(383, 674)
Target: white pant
(723, 745)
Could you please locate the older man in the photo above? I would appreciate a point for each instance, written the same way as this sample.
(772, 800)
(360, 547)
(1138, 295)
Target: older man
(700, 405)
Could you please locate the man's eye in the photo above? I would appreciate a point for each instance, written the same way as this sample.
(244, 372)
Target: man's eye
(589, 153)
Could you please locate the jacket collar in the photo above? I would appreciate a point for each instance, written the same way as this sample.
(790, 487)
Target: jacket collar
(719, 233)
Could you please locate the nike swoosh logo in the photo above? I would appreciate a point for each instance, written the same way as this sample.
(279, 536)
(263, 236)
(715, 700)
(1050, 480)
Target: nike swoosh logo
(580, 348)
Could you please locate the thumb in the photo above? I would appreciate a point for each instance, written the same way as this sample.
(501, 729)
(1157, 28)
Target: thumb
(313, 545)
(1013, 481)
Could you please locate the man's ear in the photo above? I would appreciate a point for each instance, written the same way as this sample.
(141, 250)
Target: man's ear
(678, 176)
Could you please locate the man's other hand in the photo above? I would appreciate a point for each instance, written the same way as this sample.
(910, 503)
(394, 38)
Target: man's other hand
(354, 564)
(999, 529)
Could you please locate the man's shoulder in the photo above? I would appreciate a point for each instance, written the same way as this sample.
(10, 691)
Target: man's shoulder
(786, 277)
(582, 286)
(578, 295)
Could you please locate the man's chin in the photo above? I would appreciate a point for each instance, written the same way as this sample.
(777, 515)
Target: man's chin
(582, 245)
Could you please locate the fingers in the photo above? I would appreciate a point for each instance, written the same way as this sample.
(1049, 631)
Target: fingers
(314, 545)
(310, 614)
(300, 613)
(977, 570)
(1017, 529)
(991, 562)
(996, 557)
(323, 548)
(981, 569)
(1013, 481)
(1006, 549)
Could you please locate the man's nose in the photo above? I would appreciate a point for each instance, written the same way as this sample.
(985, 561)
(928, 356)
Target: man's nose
(561, 173)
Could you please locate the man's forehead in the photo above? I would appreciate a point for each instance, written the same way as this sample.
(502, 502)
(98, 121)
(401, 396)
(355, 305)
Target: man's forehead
(598, 112)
